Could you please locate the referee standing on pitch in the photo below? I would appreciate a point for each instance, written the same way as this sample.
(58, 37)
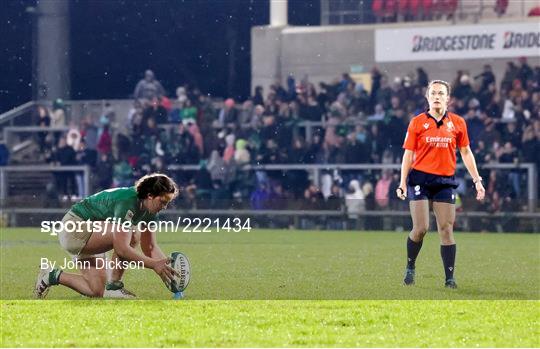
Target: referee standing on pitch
(427, 174)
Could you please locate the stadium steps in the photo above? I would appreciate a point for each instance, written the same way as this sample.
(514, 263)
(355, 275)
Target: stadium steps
(26, 153)
(27, 189)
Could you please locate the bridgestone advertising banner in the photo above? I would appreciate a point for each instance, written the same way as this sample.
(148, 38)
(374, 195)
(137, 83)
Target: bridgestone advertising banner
(457, 42)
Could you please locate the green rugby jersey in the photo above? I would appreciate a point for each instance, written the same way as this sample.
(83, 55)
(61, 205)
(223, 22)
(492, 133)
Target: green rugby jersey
(113, 203)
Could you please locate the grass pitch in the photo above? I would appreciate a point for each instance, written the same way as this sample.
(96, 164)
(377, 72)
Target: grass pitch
(288, 288)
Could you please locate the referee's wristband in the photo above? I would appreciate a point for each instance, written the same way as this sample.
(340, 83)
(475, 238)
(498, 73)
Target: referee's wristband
(479, 179)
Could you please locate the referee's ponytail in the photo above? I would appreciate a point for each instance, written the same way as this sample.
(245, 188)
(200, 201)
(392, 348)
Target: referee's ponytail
(155, 184)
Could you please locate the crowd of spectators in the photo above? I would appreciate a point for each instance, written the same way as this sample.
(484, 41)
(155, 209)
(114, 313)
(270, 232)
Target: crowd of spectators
(353, 126)
(385, 11)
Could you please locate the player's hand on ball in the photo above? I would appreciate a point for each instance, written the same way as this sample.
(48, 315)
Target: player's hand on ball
(480, 191)
(164, 270)
(401, 193)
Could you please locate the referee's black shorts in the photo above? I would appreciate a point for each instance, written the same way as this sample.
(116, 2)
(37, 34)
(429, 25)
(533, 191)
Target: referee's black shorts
(427, 186)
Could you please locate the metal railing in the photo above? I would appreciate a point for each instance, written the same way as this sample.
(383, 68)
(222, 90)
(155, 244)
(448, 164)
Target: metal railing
(4, 170)
(316, 169)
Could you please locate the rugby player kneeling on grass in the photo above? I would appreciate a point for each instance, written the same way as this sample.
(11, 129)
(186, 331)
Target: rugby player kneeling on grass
(151, 194)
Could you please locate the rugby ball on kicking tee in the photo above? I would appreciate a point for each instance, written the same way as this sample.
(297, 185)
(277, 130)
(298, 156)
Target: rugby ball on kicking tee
(180, 263)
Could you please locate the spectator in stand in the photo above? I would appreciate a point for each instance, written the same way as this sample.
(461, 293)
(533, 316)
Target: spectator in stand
(356, 149)
(58, 115)
(422, 78)
(216, 166)
(378, 144)
(148, 88)
(512, 134)
(510, 74)
(155, 110)
(500, 7)
(493, 110)
(481, 153)
(534, 12)
(334, 201)
(89, 133)
(104, 145)
(241, 154)
(360, 101)
(228, 115)
(413, 13)
(198, 141)
(530, 146)
(314, 199)
(122, 174)
(65, 155)
(154, 140)
(397, 125)
(403, 13)
(189, 112)
(181, 148)
(256, 121)
(104, 171)
(228, 154)
(245, 114)
(463, 90)
(508, 154)
(269, 129)
(260, 197)
(486, 77)
(446, 8)
(490, 134)
(379, 114)
(258, 98)
(355, 205)
(475, 125)
(377, 7)
(486, 95)
(382, 190)
(397, 93)
(524, 70)
(44, 121)
(427, 10)
(309, 109)
(271, 154)
(384, 94)
(73, 136)
(297, 153)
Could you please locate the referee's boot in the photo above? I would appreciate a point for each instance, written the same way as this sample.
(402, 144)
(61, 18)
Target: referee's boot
(450, 283)
(409, 277)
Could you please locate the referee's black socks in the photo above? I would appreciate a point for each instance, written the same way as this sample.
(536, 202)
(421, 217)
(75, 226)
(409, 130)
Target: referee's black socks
(448, 255)
(413, 248)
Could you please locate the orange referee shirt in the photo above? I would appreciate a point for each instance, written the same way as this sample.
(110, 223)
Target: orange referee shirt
(434, 143)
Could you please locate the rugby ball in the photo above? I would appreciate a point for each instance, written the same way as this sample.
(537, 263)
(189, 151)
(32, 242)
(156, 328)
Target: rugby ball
(180, 263)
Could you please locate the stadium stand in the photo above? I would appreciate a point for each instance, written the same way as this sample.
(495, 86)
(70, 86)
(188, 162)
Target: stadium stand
(349, 125)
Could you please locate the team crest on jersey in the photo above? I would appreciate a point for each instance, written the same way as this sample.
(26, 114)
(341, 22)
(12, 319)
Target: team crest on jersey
(426, 125)
(129, 216)
(450, 126)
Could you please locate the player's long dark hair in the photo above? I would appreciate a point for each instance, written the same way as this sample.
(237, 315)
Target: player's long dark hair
(155, 184)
